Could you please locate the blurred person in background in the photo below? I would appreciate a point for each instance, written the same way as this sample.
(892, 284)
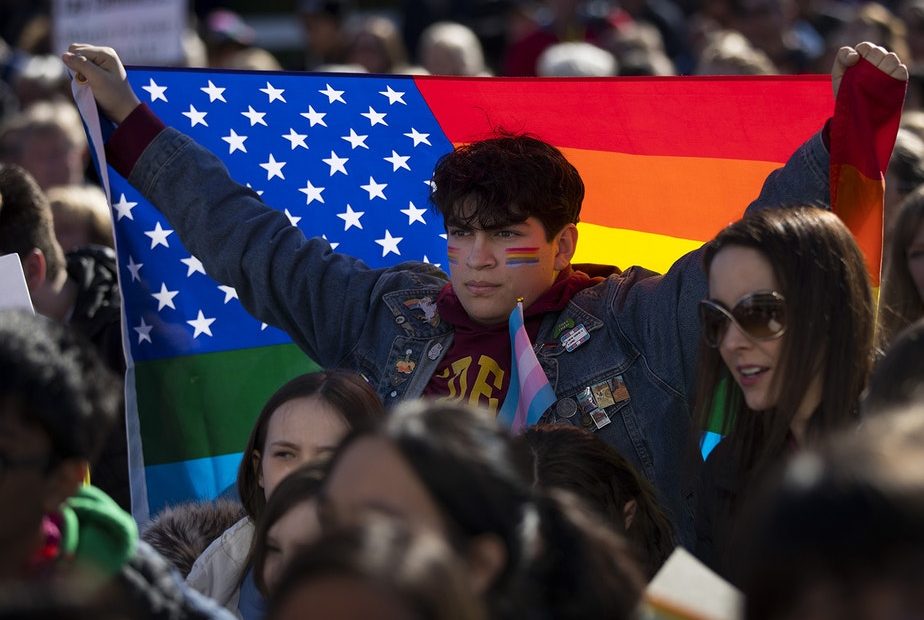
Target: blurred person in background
(639, 50)
(81, 216)
(729, 53)
(47, 139)
(225, 33)
(870, 21)
(449, 48)
(375, 44)
(560, 21)
(904, 174)
(898, 377)
(775, 28)
(838, 534)
(561, 456)
(57, 403)
(449, 469)
(901, 302)
(376, 566)
(80, 289)
(324, 25)
(575, 60)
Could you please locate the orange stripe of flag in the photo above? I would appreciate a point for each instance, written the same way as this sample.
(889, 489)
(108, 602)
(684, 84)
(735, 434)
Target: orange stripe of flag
(683, 197)
(867, 115)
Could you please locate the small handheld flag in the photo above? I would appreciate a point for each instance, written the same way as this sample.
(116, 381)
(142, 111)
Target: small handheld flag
(529, 394)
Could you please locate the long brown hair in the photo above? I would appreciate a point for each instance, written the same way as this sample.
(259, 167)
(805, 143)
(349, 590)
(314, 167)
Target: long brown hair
(900, 302)
(345, 391)
(829, 308)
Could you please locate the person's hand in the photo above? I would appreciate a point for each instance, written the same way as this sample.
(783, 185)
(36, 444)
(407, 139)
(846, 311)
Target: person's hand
(104, 73)
(879, 57)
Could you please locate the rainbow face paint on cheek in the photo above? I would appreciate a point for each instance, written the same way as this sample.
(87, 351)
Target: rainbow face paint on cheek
(522, 256)
(453, 253)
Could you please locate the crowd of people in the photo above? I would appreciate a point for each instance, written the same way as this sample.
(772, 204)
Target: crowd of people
(358, 497)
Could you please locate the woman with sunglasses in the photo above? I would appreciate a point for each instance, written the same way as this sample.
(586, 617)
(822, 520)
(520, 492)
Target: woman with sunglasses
(788, 338)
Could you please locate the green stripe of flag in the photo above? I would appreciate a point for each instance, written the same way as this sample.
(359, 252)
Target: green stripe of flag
(204, 405)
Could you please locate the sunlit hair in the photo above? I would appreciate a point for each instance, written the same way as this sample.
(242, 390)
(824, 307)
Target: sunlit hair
(822, 276)
(86, 205)
(900, 302)
(562, 456)
(505, 180)
(456, 42)
(345, 391)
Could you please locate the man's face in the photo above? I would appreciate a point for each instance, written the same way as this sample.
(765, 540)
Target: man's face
(52, 159)
(489, 269)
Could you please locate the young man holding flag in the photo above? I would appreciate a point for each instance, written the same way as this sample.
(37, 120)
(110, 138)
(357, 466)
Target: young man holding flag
(617, 348)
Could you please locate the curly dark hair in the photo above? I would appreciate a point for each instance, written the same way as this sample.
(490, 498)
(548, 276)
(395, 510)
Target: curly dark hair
(505, 180)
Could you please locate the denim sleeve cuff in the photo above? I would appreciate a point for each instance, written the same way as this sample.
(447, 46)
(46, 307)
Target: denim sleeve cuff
(128, 141)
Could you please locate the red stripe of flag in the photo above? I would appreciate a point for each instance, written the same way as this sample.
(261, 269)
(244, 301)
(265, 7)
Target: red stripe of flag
(868, 112)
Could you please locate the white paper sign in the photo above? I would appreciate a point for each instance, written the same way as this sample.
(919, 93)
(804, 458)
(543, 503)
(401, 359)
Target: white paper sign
(142, 32)
(686, 588)
(13, 290)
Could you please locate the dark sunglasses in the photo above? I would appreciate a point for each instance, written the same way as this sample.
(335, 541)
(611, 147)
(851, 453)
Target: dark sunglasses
(760, 316)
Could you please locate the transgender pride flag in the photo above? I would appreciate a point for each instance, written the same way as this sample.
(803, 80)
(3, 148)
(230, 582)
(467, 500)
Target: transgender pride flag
(529, 394)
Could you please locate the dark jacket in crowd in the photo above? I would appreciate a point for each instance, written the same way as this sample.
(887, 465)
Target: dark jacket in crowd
(97, 314)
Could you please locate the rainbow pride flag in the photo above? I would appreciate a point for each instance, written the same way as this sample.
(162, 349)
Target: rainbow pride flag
(667, 162)
(869, 106)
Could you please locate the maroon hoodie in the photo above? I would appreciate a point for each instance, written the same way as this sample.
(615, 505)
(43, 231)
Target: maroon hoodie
(476, 368)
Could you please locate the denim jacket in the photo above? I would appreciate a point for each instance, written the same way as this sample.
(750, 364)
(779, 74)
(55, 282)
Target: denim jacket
(637, 366)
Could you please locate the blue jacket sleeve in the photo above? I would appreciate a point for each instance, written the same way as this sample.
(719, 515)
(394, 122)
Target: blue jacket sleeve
(322, 299)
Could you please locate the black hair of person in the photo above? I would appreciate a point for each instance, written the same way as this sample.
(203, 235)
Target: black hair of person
(505, 180)
(898, 377)
(416, 569)
(465, 462)
(562, 456)
(840, 526)
(302, 485)
(54, 378)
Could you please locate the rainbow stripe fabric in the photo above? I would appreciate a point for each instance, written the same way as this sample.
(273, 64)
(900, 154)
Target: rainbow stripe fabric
(667, 162)
(522, 256)
(869, 105)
